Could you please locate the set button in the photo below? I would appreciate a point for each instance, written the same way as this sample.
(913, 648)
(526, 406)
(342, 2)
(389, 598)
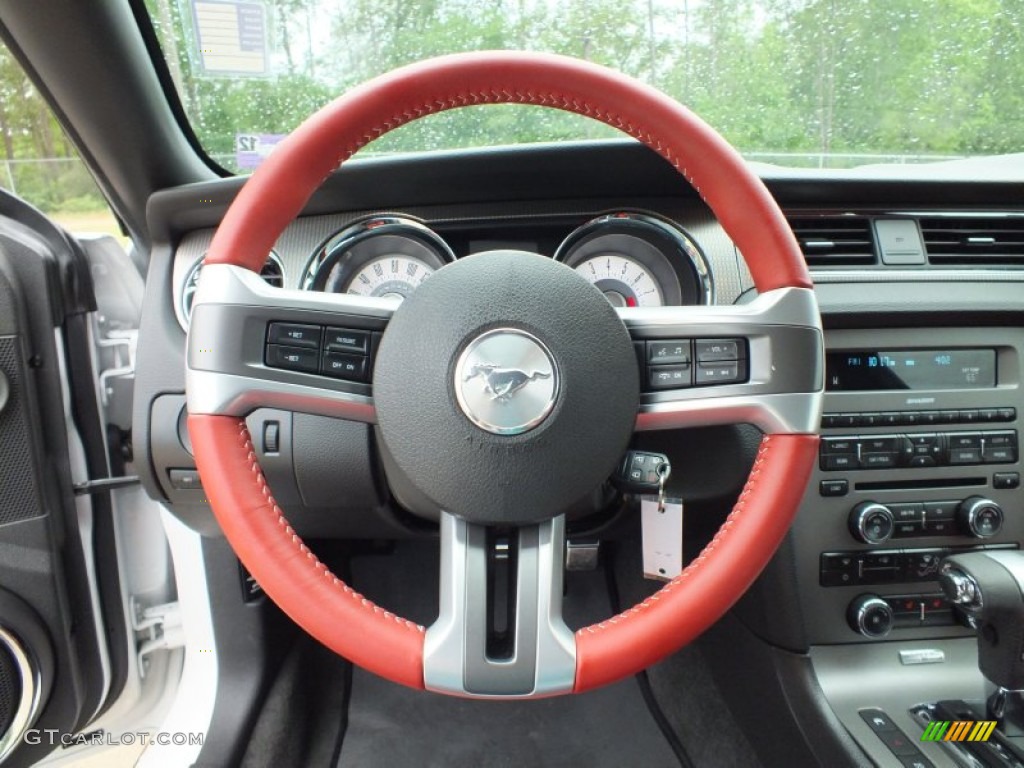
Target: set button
(341, 353)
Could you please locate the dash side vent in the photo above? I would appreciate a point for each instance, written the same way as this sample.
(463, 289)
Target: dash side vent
(828, 241)
(974, 240)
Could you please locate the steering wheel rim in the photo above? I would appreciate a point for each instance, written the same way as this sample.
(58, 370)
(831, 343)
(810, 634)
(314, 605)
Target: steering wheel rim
(254, 525)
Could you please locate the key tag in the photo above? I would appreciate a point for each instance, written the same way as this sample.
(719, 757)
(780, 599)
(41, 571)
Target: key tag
(661, 525)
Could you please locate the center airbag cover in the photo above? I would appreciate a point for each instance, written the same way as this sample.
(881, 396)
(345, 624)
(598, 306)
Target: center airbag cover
(506, 479)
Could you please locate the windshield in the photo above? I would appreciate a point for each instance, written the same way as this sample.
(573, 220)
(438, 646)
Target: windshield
(812, 83)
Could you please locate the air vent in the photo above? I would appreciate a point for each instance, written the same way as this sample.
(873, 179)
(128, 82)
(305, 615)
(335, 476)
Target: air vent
(272, 273)
(974, 240)
(828, 241)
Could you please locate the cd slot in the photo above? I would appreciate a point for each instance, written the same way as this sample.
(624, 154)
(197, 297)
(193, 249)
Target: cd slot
(922, 484)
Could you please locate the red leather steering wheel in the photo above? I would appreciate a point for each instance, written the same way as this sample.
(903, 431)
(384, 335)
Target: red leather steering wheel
(227, 379)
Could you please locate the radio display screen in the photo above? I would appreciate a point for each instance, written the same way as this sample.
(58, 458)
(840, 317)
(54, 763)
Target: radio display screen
(862, 370)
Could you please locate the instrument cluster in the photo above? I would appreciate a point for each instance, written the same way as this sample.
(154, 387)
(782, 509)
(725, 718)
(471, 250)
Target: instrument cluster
(635, 260)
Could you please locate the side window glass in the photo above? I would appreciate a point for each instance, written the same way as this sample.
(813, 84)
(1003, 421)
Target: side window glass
(39, 164)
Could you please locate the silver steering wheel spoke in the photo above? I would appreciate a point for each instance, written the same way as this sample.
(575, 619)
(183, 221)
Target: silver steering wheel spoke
(230, 369)
(777, 383)
(538, 657)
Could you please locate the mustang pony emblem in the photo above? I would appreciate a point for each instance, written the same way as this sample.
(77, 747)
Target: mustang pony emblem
(502, 383)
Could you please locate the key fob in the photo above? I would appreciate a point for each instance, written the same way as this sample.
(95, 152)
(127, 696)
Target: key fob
(640, 472)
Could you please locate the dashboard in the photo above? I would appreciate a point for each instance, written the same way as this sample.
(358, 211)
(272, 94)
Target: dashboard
(635, 258)
(920, 455)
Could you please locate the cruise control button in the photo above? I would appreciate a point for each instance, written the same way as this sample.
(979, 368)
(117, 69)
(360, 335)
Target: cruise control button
(294, 335)
(715, 350)
(352, 367)
(293, 358)
(721, 373)
(344, 340)
(669, 376)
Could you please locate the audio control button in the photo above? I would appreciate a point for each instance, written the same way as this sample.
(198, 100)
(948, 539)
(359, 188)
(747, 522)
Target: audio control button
(871, 522)
(907, 512)
(878, 460)
(980, 517)
(908, 530)
(839, 445)
(940, 510)
(965, 456)
(837, 462)
(881, 444)
(958, 440)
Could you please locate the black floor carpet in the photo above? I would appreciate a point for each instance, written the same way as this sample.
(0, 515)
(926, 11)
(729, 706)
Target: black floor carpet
(390, 725)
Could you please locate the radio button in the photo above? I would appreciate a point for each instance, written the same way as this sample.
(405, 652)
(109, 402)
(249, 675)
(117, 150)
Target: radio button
(930, 417)
(964, 440)
(881, 444)
(908, 530)
(838, 462)
(922, 461)
(949, 417)
(878, 460)
(940, 510)
(909, 512)
(1007, 414)
(871, 522)
(871, 419)
(834, 487)
(989, 414)
(1005, 480)
(891, 419)
(1000, 439)
(969, 417)
(846, 419)
(939, 528)
(829, 420)
(999, 455)
(838, 445)
(910, 418)
(965, 456)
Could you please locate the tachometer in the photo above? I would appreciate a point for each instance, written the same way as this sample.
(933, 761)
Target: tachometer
(624, 282)
(638, 261)
(380, 256)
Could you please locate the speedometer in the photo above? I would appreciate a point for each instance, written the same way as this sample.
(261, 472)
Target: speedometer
(382, 256)
(391, 276)
(638, 260)
(623, 281)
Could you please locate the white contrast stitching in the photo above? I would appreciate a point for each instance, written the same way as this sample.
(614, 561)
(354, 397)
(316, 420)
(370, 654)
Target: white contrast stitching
(723, 532)
(246, 443)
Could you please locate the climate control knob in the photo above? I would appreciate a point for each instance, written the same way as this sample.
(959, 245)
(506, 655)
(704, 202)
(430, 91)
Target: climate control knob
(871, 522)
(980, 517)
(870, 615)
